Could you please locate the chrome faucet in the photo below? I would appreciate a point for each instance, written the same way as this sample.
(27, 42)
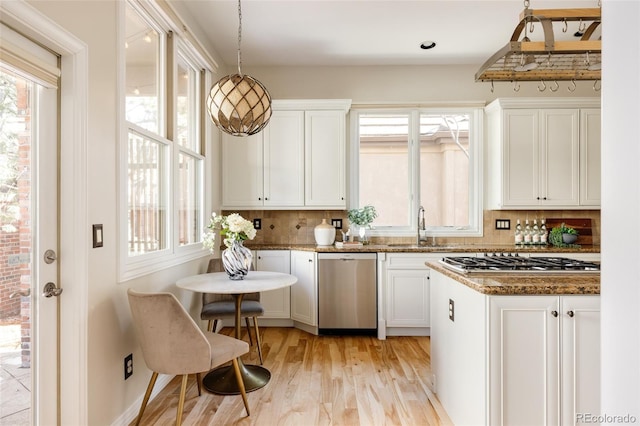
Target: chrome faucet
(421, 226)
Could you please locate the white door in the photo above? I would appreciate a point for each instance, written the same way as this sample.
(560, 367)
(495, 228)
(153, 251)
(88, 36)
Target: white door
(29, 205)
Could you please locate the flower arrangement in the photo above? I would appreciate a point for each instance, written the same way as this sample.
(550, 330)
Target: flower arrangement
(232, 228)
(363, 216)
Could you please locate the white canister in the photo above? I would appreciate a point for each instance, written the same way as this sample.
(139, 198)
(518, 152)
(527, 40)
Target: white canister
(325, 234)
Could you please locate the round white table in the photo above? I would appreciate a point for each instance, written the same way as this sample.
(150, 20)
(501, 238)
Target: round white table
(222, 379)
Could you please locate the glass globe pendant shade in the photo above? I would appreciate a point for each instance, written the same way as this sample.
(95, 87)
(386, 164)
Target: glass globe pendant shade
(239, 105)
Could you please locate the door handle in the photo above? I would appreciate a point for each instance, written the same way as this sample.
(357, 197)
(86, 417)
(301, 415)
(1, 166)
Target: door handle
(50, 289)
(23, 293)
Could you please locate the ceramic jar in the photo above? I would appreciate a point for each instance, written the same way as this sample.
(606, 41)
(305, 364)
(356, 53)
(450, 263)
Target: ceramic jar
(324, 233)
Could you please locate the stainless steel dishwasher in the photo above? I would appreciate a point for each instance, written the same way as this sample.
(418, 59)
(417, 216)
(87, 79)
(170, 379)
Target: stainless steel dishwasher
(347, 293)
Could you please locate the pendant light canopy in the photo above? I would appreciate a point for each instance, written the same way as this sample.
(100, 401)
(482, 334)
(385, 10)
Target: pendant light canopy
(239, 104)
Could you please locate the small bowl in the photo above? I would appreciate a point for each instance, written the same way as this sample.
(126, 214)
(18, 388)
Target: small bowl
(569, 238)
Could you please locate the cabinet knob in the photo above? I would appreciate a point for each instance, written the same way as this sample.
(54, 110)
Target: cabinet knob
(554, 313)
(570, 313)
(310, 260)
(259, 199)
(266, 199)
(544, 198)
(537, 198)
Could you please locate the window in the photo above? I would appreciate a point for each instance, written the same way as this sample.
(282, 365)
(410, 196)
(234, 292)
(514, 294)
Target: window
(163, 211)
(411, 158)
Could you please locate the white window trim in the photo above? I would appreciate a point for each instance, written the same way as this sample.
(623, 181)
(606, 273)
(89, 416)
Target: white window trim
(475, 228)
(137, 266)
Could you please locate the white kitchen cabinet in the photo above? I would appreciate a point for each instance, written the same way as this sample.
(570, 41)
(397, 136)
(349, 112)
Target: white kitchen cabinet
(266, 169)
(590, 172)
(406, 290)
(297, 161)
(325, 159)
(276, 303)
(304, 294)
(544, 358)
(536, 154)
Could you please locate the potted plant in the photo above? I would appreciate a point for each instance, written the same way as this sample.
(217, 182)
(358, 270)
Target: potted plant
(363, 218)
(563, 234)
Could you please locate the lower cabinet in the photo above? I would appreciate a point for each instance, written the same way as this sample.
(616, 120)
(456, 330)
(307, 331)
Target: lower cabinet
(514, 360)
(544, 358)
(304, 293)
(276, 303)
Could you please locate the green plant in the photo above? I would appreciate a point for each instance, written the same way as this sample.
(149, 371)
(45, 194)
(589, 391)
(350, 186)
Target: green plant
(555, 236)
(363, 216)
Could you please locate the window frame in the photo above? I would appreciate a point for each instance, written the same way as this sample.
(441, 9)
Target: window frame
(176, 48)
(476, 117)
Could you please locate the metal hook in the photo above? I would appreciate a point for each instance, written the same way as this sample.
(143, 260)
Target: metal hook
(557, 86)
(572, 88)
(565, 25)
(530, 26)
(582, 26)
(543, 88)
(492, 86)
(516, 86)
(549, 60)
(596, 86)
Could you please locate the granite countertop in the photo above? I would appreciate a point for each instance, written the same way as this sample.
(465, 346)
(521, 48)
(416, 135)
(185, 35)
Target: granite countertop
(412, 248)
(525, 284)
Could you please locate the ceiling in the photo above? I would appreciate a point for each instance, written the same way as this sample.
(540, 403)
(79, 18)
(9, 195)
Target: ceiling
(363, 32)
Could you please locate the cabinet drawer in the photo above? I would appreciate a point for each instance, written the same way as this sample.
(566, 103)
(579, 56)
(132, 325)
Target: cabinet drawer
(417, 260)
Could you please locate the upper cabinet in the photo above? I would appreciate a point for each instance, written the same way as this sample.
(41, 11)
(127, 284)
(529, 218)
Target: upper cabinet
(297, 161)
(543, 154)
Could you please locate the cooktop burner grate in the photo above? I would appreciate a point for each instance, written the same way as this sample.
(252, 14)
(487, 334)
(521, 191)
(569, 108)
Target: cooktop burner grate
(514, 263)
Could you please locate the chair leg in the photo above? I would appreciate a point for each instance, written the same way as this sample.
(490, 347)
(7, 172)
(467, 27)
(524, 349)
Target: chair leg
(147, 394)
(210, 325)
(257, 331)
(183, 391)
(248, 330)
(236, 368)
(199, 381)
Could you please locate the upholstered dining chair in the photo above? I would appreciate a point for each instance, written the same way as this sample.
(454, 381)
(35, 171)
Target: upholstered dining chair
(222, 306)
(172, 343)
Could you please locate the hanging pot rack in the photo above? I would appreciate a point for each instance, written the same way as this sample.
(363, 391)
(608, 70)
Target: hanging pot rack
(549, 60)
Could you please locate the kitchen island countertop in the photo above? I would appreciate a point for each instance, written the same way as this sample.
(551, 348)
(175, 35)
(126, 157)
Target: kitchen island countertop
(525, 284)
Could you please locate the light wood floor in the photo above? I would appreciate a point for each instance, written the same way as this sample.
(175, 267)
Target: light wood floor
(319, 380)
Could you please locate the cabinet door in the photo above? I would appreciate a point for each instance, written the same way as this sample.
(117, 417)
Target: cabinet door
(590, 138)
(580, 356)
(325, 159)
(407, 298)
(284, 159)
(559, 158)
(524, 360)
(242, 183)
(304, 293)
(276, 303)
(521, 156)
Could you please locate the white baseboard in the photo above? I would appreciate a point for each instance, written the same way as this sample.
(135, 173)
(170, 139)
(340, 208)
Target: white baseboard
(130, 414)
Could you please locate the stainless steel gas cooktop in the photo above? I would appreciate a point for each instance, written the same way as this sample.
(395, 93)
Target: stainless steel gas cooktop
(510, 263)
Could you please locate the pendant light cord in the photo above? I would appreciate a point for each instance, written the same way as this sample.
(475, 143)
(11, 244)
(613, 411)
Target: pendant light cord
(239, 38)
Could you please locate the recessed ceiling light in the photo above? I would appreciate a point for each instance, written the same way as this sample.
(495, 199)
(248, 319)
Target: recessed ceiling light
(428, 44)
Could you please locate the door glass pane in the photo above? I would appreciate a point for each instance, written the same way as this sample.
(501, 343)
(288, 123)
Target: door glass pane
(142, 47)
(384, 167)
(444, 169)
(15, 248)
(147, 210)
(189, 196)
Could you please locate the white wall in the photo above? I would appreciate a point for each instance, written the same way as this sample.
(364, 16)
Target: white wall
(620, 209)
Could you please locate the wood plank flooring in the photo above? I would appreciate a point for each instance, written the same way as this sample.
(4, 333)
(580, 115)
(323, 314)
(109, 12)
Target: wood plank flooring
(319, 380)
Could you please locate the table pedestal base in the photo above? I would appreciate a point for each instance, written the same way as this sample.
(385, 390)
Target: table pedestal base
(223, 380)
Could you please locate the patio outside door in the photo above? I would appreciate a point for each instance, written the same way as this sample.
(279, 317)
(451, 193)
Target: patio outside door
(29, 228)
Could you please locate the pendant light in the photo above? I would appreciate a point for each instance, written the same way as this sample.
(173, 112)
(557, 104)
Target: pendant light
(239, 104)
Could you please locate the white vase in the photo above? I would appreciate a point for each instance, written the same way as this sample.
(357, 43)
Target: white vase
(324, 233)
(236, 260)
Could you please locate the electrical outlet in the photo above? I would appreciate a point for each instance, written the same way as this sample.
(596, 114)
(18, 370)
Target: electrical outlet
(257, 223)
(128, 366)
(337, 223)
(451, 310)
(503, 224)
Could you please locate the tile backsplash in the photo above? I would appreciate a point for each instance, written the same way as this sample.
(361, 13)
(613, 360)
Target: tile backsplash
(296, 226)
